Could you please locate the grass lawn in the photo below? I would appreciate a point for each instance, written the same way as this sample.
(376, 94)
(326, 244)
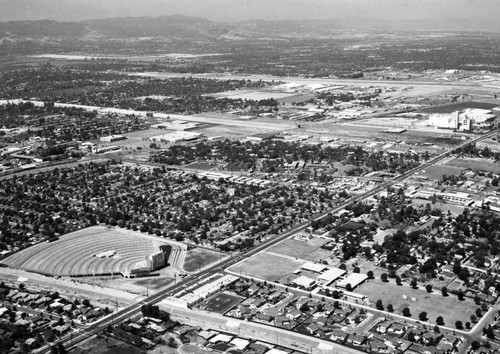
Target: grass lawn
(267, 266)
(198, 258)
(433, 303)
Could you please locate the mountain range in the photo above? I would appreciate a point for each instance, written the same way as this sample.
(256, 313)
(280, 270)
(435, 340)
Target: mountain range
(179, 26)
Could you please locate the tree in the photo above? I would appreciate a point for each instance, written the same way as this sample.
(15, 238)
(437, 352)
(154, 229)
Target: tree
(411, 336)
(379, 305)
(398, 280)
(384, 277)
(406, 312)
(348, 287)
(370, 274)
(86, 302)
(390, 308)
(479, 313)
(489, 332)
(475, 345)
(413, 283)
(422, 316)
(305, 307)
(444, 291)
(60, 348)
(459, 325)
(460, 295)
(356, 270)
(473, 318)
(440, 320)
(428, 287)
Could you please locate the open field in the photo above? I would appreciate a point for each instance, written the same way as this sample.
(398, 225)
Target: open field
(221, 302)
(267, 266)
(436, 172)
(434, 303)
(199, 258)
(298, 249)
(476, 164)
(75, 253)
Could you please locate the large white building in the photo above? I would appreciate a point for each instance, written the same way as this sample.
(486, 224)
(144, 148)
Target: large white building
(468, 119)
(444, 121)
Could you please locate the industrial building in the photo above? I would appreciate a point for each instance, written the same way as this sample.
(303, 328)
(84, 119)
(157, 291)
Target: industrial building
(111, 138)
(175, 137)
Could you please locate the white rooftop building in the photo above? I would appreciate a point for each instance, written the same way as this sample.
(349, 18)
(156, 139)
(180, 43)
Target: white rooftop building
(304, 282)
(314, 267)
(331, 275)
(354, 279)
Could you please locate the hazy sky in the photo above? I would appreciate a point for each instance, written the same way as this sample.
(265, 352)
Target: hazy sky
(480, 11)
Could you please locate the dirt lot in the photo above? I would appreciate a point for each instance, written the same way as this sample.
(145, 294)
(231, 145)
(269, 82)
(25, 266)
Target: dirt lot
(199, 258)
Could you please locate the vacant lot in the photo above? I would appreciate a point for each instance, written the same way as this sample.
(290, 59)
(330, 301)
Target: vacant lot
(433, 303)
(199, 258)
(267, 266)
(476, 164)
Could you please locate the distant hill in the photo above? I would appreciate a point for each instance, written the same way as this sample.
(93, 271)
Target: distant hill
(186, 27)
(127, 27)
